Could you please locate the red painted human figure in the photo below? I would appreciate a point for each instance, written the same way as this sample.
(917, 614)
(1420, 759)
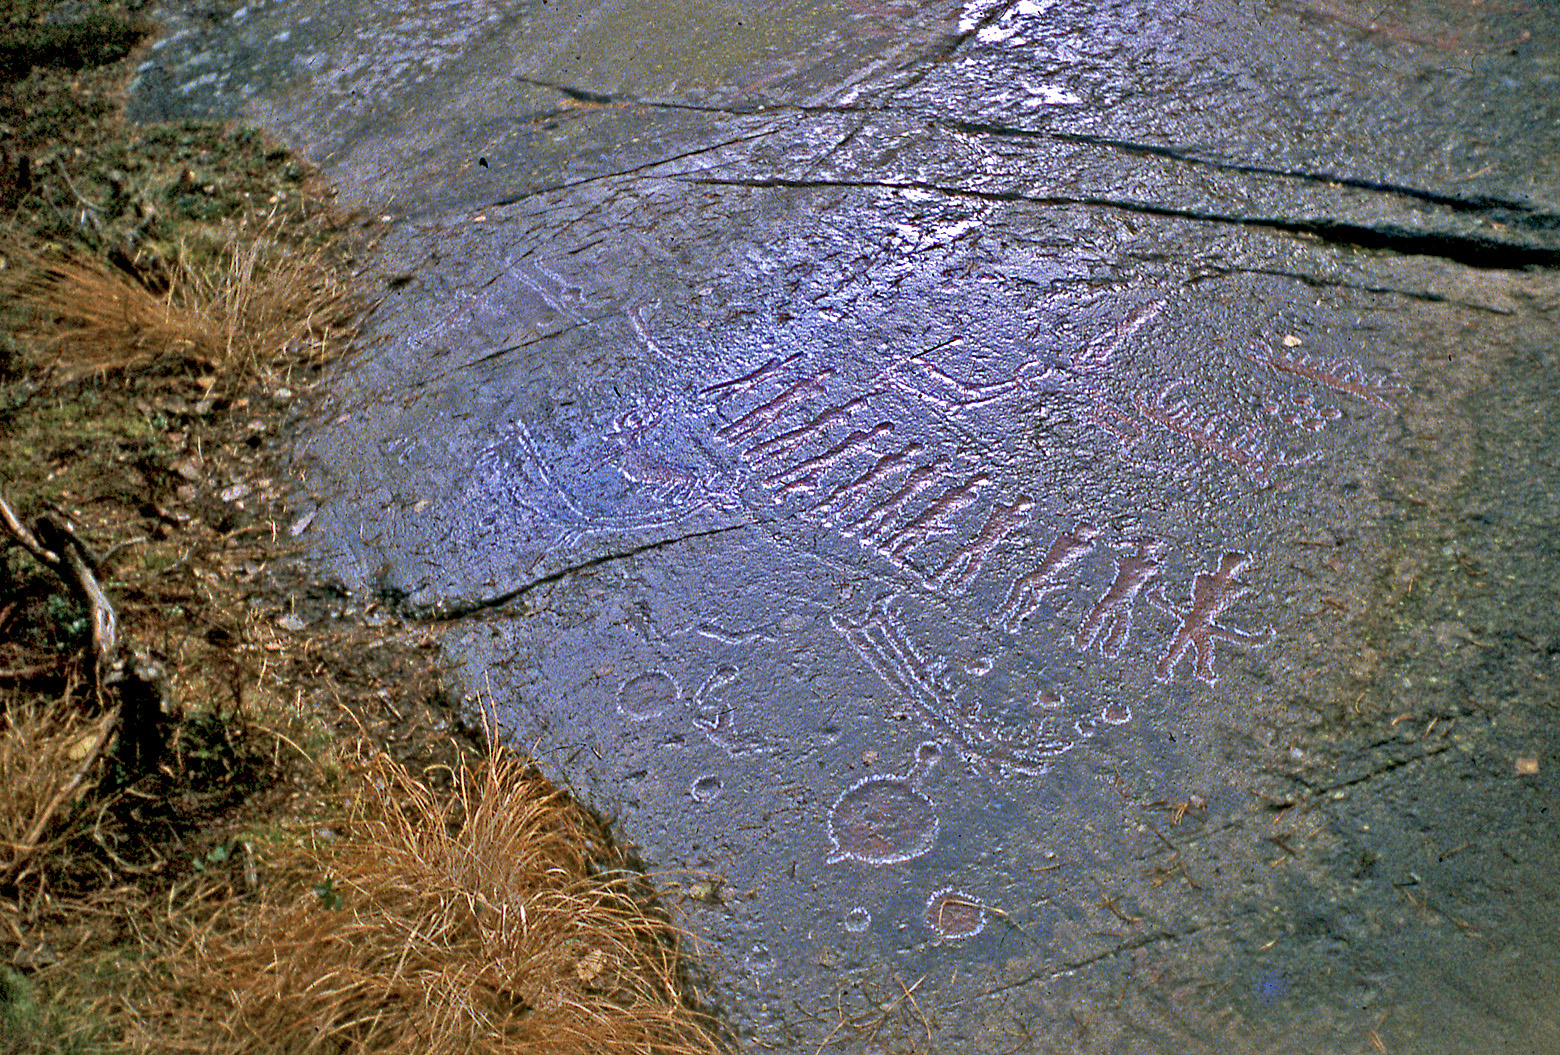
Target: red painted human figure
(1030, 589)
(966, 562)
(1199, 629)
(1133, 572)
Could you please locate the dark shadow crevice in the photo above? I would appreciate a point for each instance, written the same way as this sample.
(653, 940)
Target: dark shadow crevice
(1469, 250)
(464, 609)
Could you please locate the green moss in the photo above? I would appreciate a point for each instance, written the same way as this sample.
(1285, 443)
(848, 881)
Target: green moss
(30, 1026)
(95, 39)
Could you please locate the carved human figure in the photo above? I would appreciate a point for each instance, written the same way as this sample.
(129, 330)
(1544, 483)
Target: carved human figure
(723, 390)
(887, 465)
(966, 562)
(764, 415)
(1133, 572)
(1031, 588)
(1212, 594)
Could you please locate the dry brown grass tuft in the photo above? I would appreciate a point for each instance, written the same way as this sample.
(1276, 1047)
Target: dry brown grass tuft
(472, 921)
(46, 754)
(235, 302)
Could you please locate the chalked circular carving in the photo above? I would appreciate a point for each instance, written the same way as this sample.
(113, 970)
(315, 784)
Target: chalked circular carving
(649, 695)
(1112, 713)
(761, 960)
(884, 820)
(1116, 713)
(881, 821)
(857, 920)
(707, 788)
(954, 915)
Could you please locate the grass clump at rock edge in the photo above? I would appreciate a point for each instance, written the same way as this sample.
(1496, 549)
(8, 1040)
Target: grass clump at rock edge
(248, 304)
(485, 920)
(294, 845)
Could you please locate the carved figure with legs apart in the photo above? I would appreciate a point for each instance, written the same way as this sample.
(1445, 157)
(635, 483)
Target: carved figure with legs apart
(1031, 588)
(1114, 610)
(966, 562)
(1212, 594)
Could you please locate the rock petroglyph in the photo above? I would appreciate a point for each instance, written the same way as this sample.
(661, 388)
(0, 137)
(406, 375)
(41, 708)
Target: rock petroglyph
(954, 915)
(1199, 628)
(882, 465)
(927, 682)
(1343, 375)
(648, 695)
(1031, 588)
(716, 717)
(1114, 610)
(882, 820)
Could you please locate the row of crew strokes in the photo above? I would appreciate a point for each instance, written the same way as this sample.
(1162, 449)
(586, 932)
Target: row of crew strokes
(878, 507)
(876, 502)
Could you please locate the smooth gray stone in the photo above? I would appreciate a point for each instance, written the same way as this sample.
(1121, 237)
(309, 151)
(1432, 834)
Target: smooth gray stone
(969, 490)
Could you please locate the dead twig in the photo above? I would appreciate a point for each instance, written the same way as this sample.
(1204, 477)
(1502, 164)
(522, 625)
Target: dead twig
(135, 682)
(24, 538)
(57, 548)
(19, 673)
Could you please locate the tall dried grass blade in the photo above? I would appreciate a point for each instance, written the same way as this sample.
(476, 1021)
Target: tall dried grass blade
(42, 751)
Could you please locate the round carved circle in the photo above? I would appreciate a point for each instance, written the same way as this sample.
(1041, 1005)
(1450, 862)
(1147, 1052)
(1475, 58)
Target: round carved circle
(882, 820)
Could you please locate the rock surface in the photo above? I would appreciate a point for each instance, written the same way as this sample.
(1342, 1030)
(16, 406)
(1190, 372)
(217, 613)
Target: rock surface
(1032, 515)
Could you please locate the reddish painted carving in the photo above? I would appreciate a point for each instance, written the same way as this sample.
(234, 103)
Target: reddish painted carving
(1215, 432)
(964, 563)
(1340, 375)
(723, 389)
(766, 414)
(1199, 629)
(1114, 610)
(1026, 593)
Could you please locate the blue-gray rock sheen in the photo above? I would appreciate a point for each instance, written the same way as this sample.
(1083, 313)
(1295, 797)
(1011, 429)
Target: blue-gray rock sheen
(928, 470)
